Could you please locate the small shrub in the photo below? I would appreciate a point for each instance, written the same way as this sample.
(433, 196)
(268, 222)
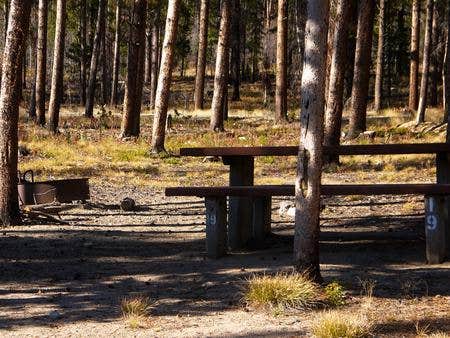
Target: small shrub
(135, 311)
(335, 294)
(283, 291)
(340, 325)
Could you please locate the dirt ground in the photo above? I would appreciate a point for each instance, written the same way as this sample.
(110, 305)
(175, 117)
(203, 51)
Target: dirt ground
(68, 280)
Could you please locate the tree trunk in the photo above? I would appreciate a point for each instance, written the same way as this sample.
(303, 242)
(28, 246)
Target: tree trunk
(281, 76)
(414, 63)
(201, 57)
(221, 73)
(41, 62)
(57, 90)
(380, 54)
(236, 49)
(99, 31)
(9, 109)
(309, 167)
(361, 74)
(165, 77)
(148, 54)
(155, 57)
(135, 71)
(105, 83)
(83, 52)
(266, 51)
(300, 22)
(446, 76)
(426, 64)
(334, 107)
(33, 63)
(116, 64)
(435, 58)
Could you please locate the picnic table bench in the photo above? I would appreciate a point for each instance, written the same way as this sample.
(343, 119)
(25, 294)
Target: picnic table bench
(249, 206)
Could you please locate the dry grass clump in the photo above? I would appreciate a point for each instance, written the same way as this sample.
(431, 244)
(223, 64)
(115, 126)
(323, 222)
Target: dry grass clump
(283, 290)
(438, 334)
(333, 324)
(135, 311)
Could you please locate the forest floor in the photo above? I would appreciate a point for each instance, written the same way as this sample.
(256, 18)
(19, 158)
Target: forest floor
(69, 280)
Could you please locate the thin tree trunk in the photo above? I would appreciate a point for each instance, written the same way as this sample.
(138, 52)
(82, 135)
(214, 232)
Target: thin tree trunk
(135, 71)
(379, 64)
(201, 57)
(41, 62)
(165, 77)
(426, 64)
(155, 57)
(116, 64)
(309, 165)
(281, 75)
(105, 84)
(414, 63)
(266, 52)
(435, 58)
(236, 49)
(9, 109)
(300, 22)
(99, 31)
(57, 90)
(361, 74)
(148, 54)
(83, 57)
(446, 75)
(335, 101)
(221, 73)
(33, 63)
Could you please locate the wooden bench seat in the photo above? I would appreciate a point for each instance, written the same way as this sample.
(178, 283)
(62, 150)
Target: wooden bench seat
(436, 217)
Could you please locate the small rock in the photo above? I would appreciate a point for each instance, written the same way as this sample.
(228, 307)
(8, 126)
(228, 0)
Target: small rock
(211, 159)
(284, 207)
(54, 315)
(370, 134)
(128, 204)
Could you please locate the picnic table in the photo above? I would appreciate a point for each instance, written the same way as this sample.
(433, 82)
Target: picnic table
(249, 205)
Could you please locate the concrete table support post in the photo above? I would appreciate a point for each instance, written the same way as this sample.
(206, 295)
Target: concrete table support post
(240, 208)
(262, 212)
(216, 226)
(436, 221)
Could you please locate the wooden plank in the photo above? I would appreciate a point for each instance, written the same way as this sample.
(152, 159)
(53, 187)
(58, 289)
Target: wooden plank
(356, 149)
(333, 190)
(436, 221)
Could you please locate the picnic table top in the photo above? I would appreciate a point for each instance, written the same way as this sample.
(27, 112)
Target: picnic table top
(354, 149)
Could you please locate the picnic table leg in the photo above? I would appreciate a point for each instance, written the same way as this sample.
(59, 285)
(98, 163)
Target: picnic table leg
(216, 226)
(262, 212)
(436, 220)
(240, 208)
(443, 176)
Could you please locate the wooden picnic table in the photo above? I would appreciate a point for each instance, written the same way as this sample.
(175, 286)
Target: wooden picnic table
(241, 162)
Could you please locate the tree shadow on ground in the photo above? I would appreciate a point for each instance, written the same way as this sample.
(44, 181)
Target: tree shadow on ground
(84, 273)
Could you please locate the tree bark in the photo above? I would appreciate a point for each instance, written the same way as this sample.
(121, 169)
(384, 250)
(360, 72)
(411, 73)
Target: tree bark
(361, 74)
(414, 63)
(425, 63)
(99, 31)
(201, 57)
(116, 64)
(33, 63)
(155, 57)
(135, 71)
(83, 70)
(435, 58)
(446, 76)
(266, 51)
(57, 90)
(281, 75)
(9, 109)
(334, 107)
(379, 62)
(165, 77)
(41, 62)
(309, 167)
(221, 73)
(236, 49)
(148, 54)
